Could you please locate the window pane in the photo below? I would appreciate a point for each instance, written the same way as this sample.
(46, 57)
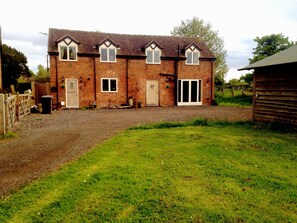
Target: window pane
(105, 84)
(195, 57)
(189, 57)
(156, 56)
(200, 89)
(103, 54)
(112, 56)
(194, 91)
(63, 51)
(149, 56)
(113, 85)
(72, 53)
(186, 91)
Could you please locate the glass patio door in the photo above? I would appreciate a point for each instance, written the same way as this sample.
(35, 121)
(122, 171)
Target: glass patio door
(189, 92)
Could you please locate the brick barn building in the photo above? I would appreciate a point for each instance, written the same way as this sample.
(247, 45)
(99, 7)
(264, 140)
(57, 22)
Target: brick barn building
(108, 69)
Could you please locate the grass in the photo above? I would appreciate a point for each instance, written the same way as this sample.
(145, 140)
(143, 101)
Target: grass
(203, 173)
(238, 100)
(8, 135)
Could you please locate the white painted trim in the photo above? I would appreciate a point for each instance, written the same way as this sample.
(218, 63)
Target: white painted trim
(109, 91)
(200, 89)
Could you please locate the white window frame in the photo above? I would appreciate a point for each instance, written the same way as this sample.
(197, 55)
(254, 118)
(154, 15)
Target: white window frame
(199, 95)
(153, 49)
(68, 52)
(109, 85)
(192, 50)
(67, 43)
(108, 46)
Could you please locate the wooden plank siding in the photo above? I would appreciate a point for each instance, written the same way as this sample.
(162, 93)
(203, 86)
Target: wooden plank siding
(275, 94)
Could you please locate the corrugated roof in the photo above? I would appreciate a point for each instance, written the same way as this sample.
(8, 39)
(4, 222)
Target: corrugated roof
(129, 45)
(283, 57)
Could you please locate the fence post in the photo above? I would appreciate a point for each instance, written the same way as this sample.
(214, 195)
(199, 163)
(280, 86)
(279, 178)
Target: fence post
(2, 115)
(17, 106)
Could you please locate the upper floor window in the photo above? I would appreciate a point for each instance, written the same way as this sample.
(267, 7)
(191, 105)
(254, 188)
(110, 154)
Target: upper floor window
(153, 54)
(108, 52)
(68, 48)
(68, 53)
(192, 55)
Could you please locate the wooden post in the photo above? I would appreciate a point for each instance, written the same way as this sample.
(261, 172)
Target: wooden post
(2, 115)
(33, 89)
(17, 106)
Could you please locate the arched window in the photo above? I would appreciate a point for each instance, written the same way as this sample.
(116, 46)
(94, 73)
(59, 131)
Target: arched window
(108, 52)
(192, 55)
(153, 54)
(68, 49)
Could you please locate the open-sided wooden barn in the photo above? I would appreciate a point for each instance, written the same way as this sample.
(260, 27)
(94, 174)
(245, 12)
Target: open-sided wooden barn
(275, 88)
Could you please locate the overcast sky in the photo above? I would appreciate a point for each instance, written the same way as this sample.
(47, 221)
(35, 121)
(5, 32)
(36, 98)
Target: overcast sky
(238, 22)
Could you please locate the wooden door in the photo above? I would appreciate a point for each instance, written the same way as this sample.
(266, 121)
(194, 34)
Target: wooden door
(72, 93)
(152, 93)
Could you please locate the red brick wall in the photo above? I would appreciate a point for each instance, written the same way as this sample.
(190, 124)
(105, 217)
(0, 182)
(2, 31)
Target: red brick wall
(138, 73)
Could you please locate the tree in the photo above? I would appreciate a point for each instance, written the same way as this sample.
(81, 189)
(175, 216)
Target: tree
(14, 64)
(269, 45)
(247, 78)
(197, 28)
(42, 75)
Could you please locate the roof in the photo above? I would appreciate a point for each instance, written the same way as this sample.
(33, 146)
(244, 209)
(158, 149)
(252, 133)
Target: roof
(284, 57)
(129, 45)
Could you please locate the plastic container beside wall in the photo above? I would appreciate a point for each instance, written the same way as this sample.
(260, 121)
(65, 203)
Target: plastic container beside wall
(46, 101)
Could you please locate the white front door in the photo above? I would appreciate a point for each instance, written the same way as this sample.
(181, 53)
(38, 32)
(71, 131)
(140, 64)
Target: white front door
(189, 92)
(152, 93)
(71, 93)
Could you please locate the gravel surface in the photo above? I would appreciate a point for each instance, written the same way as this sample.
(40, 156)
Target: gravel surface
(48, 141)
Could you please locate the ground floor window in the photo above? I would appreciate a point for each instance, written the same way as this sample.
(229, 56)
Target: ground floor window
(189, 92)
(109, 85)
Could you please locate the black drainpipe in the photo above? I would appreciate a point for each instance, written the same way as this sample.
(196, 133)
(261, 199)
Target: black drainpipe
(95, 82)
(57, 82)
(127, 80)
(176, 77)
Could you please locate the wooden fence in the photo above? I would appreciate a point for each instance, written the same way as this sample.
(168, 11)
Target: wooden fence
(12, 109)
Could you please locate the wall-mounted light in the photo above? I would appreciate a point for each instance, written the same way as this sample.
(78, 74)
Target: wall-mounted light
(168, 79)
(62, 79)
(80, 80)
(89, 78)
(208, 79)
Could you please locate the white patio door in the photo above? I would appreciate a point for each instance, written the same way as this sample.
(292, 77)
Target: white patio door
(71, 93)
(152, 93)
(189, 92)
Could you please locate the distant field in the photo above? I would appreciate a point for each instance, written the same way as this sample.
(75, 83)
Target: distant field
(238, 99)
(206, 173)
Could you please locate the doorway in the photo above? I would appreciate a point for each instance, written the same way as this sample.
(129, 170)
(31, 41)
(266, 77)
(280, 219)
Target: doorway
(152, 93)
(71, 93)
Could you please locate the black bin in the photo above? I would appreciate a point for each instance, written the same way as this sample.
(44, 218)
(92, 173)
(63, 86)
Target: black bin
(46, 102)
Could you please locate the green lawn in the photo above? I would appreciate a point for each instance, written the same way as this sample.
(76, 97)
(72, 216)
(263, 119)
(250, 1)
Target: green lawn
(218, 173)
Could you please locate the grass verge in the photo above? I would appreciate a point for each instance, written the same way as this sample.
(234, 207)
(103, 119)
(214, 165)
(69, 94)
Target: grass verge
(202, 173)
(237, 100)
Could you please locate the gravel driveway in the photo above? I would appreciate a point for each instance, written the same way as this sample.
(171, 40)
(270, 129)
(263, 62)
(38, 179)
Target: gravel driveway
(47, 141)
